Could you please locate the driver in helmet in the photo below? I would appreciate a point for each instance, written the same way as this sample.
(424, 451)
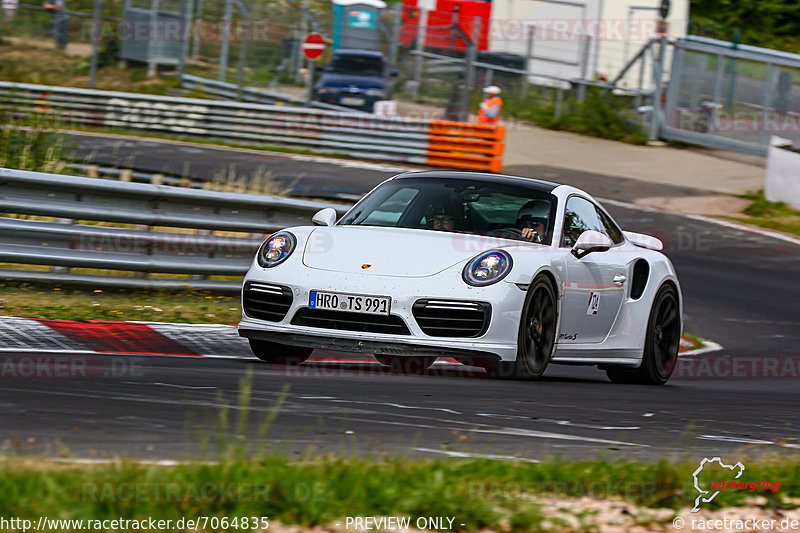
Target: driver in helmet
(532, 220)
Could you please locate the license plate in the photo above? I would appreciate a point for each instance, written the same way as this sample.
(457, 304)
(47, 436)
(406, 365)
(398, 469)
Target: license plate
(351, 101)
(355, 303)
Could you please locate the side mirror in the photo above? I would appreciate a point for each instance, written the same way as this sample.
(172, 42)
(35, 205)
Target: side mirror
(324, 217)
(591, 241)
(393, 73)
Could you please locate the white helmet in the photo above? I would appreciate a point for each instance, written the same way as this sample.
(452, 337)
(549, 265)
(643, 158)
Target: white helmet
(535, 211)
(492, 89)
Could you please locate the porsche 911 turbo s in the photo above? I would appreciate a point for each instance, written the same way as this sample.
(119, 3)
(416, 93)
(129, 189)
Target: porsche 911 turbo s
(510, 274)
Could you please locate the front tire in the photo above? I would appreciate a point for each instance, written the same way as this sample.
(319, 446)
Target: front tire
(661, 345)
(274, 353)
(536, 337)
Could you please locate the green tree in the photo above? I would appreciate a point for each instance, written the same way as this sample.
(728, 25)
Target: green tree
(773, 23)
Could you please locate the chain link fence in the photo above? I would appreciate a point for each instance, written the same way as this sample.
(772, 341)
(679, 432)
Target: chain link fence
(719, 94)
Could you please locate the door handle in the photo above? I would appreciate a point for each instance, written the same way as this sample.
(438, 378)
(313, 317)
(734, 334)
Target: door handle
(619, 279)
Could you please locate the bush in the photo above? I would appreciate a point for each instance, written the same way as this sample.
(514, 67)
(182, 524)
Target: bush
(29, 142)
(600, 114)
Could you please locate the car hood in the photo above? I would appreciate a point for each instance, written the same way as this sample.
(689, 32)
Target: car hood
(392, 251)
(338, 80)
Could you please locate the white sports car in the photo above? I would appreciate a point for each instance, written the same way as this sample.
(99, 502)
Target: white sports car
(502, 272)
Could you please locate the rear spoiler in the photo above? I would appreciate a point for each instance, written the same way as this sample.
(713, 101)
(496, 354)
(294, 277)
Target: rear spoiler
(644, 241)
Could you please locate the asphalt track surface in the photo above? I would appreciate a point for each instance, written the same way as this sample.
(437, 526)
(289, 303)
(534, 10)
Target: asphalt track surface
(740, 289)
(301, 175)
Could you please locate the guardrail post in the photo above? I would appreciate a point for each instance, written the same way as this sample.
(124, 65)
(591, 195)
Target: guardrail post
(62, 269)
(199, 277)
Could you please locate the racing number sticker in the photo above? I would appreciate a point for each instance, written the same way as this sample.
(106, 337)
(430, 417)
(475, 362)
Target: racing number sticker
(594, 303)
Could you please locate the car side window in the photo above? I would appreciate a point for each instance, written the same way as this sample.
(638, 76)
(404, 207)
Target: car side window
(610, 228)
(579, 215)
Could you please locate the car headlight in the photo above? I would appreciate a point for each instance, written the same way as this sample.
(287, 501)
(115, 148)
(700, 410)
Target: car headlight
(487, 268)
(374, 92)
(276, 249)
(327, 90)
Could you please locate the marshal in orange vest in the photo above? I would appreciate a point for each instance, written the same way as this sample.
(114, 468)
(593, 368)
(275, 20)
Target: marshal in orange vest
(489, 112)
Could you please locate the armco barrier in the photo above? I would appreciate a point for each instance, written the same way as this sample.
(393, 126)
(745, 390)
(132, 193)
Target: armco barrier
(359, 135)
(190, 243)
(250, 94)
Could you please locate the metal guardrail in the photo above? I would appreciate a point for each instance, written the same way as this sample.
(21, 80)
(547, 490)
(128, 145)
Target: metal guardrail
(251, 94)
(65, 244)
(360, 135)
(126, 173)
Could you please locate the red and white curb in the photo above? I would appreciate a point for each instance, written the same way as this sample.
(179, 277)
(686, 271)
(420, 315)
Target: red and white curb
(160, 338)
(122, 338)
(694, 347)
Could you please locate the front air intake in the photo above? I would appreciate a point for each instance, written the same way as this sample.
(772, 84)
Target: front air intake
(265, 301)
(451, 318)
(347, 321)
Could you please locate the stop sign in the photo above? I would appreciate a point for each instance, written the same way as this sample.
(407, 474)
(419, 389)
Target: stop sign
(313, 46)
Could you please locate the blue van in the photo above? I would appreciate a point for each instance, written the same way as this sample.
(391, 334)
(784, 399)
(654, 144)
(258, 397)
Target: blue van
(353, 78)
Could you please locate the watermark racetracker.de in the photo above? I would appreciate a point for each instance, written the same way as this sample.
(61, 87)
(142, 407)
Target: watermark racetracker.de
(72, 366)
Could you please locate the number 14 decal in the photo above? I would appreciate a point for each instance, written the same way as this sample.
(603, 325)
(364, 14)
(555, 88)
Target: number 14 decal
(594, 303)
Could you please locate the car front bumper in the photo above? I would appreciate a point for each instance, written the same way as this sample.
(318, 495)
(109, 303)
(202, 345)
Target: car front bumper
(498, 342)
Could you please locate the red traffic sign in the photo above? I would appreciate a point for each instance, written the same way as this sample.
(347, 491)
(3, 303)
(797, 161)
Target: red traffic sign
(313, 46)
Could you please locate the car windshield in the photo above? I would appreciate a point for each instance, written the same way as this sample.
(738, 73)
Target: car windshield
(364, 65)
(470, 206)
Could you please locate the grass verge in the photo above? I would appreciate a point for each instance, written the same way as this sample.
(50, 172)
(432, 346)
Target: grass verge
(27, 63)
(62, 303)
(771, 215)
(479, 494)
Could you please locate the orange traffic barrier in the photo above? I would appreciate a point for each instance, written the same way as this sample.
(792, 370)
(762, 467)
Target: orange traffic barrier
(468, 129)
(465, 145)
